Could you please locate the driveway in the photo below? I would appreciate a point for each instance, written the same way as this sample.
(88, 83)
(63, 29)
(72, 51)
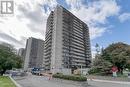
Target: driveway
(41, 81)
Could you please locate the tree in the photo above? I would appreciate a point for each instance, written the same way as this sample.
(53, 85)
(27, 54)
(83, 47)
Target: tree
(101, 66)
(116, 54)
(8, 58)
(97, 48)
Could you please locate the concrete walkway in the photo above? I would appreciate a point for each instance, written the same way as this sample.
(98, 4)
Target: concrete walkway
(108, 81)
(122, 79)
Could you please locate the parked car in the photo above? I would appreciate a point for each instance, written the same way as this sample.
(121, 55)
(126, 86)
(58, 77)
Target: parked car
(15, 72)
(37, 71)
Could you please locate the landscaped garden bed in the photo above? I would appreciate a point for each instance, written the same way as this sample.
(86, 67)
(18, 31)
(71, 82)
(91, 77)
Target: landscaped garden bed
(70, 77)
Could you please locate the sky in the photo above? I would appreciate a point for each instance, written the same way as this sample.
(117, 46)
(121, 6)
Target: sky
(108, 20)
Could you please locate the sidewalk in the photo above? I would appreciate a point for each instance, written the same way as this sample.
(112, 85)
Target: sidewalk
(109, 78)
(108, 81)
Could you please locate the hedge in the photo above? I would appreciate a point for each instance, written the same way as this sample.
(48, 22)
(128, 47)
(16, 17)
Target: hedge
(70, 77)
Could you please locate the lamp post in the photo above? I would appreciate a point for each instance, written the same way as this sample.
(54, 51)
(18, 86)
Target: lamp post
(81, 69)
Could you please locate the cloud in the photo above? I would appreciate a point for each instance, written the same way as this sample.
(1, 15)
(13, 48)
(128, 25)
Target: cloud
(96, 32)
(30, 17)
(74, 3)
(29, 20)
(124, 17)
(36, 15)
(1, 21)
(10, 39)
(94, 13)
(93, 52)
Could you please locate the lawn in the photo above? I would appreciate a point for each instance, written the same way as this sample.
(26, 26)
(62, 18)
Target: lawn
(6, 82)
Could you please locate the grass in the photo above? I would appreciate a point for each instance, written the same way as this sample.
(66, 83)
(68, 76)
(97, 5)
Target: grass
(6, 82)
(122, 76)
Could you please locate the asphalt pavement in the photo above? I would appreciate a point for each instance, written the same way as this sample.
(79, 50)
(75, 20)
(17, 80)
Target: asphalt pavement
(41, 81)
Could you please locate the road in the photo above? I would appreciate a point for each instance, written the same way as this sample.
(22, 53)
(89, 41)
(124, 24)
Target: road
(40, 81)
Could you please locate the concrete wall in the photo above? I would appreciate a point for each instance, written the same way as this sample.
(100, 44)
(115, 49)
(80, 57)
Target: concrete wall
(56, 59)
(84, 71)
(34, 53)
(65, 71)
(78, 52)
(27, 55)
(40, 53)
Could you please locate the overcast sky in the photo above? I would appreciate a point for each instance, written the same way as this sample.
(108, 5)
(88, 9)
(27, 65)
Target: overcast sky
(108, 20)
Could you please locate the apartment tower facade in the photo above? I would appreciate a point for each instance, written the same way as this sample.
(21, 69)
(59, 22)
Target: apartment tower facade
(34, 53)
(21, 52)
(67, 42)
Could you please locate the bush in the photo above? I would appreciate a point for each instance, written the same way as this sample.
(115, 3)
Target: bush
(93, 71)
(70, 77)
(59, 73)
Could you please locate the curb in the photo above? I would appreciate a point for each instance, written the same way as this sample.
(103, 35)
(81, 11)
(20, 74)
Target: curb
(117, 82)
(17, 85)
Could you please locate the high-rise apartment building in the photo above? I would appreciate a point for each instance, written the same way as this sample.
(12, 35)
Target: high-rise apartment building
(67, 42)
(34, 53)
(21, 52)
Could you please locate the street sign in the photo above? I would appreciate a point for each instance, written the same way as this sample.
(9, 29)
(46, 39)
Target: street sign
(114, 69)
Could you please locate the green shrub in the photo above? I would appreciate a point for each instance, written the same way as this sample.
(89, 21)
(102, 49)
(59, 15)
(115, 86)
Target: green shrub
(59, 73)
(70, 77)
(94, 70)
